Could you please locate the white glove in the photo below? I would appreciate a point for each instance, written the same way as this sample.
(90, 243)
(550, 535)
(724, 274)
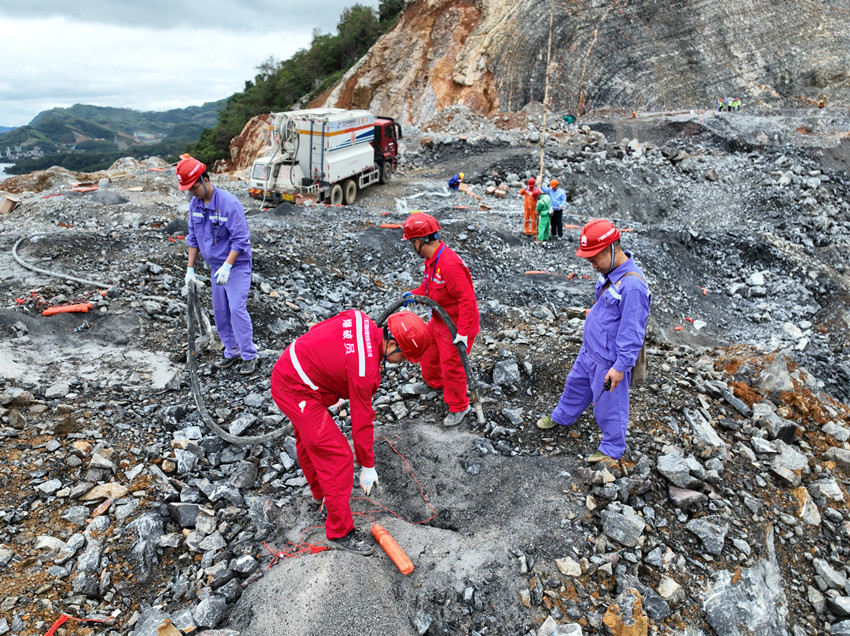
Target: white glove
(463, 339)
(368, 478)
(190, 276)
(223, 274)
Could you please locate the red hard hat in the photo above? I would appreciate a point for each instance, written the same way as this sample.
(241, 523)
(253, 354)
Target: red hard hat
(410, 332)
(531, 181)
(596, 236)
(418, 225)
(189, 170)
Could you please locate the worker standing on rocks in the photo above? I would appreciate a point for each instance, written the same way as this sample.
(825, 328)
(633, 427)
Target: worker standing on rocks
(613, 337)
(559, 201)
(544, 212)
(449, 283)
(219, 231)
(341, 358)
(530, 193)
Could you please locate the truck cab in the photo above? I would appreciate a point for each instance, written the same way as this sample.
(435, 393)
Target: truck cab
(385, 143)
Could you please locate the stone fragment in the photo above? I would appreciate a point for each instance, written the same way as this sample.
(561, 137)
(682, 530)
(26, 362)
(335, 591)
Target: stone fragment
(111, 490)
(210, 611)
(684, 498)
(711, 530)
(833, 577)
(625, 616)
(840, 456)
(568, 566)
(624, 527)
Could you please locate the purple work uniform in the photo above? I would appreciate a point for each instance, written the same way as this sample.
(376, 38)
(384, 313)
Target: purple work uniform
(216, 231)
(613, 336)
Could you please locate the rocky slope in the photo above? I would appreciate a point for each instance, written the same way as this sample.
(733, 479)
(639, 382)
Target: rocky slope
(645, 56)
(727, 516)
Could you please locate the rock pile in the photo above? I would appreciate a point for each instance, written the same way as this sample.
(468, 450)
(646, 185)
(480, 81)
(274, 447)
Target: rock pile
(728, 514)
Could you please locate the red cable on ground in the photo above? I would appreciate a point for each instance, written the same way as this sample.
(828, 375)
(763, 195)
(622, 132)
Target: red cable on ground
(295, 550)
(65, 618)
(421, 492)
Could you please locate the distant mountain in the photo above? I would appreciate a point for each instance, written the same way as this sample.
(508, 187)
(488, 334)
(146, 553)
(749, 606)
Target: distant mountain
(6, 128)
(62, 129)
(84, 137)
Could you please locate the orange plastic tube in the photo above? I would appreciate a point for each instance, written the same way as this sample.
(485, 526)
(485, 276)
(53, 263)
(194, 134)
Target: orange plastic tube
(391, 226)
(393, 550)
(84, 308)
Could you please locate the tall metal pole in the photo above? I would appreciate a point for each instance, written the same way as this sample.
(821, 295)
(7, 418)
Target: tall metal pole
(546, 91)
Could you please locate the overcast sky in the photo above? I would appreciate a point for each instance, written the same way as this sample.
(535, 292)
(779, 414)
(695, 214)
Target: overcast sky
(148, 54)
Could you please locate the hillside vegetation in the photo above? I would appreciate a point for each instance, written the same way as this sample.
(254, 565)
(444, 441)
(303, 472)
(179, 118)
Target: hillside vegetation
(292, 83)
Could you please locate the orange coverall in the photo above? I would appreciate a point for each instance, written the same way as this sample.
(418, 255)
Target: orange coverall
(530, 210)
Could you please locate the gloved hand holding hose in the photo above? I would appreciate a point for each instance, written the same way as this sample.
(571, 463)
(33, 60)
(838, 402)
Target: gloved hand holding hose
(368, 478)
(463, 339)
(408, 298)
(190, 276)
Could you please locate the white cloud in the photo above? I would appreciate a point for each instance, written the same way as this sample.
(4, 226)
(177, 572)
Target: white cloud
(151, 55)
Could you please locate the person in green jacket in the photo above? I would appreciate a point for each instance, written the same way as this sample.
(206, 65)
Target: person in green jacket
(544, 210)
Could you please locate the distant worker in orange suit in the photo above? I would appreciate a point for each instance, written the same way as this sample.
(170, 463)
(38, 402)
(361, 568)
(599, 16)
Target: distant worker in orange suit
(531, 193)
(449, 283)
(822, 102)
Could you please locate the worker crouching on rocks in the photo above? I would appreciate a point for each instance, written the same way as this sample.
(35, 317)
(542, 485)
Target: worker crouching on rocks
(341, 358)
(449, 283)
(614, 333)
(219, 231)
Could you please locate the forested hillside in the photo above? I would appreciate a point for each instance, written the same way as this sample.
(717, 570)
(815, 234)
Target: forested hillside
(292, 83)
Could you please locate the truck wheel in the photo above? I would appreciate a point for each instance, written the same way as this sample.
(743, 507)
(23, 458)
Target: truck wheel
(386, 172)
(350, 192)
(336, 194)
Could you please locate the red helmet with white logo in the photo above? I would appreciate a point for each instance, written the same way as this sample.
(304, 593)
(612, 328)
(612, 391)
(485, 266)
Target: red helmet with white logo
(189, 170)
(410, 332)
(596, 235)
(420, 225)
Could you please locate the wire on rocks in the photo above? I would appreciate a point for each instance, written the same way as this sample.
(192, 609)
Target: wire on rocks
(296, 550)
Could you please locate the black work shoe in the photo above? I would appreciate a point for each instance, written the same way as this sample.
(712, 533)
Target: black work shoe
(350, 543)
(248, 366)
(224, 363)
(320, 505)
(421, 388)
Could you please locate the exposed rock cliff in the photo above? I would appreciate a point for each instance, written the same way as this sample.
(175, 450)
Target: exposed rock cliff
(652, 55)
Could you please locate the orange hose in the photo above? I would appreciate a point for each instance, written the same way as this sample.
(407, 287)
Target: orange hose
(83, 307)
(393, 550)
(391, 226)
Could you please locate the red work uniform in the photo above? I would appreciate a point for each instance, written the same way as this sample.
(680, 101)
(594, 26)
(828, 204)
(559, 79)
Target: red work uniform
(338, 358)
(448, 281)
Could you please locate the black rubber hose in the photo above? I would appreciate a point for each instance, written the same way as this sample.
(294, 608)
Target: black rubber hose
(471, 383)
(193, 314)
(22, 263)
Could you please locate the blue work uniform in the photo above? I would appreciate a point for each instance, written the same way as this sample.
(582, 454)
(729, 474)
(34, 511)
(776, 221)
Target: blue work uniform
(614, 332)
(454, 182)
(216, 230)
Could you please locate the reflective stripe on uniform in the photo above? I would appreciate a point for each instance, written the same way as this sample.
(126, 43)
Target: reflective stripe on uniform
(306, 380)
(361, 355)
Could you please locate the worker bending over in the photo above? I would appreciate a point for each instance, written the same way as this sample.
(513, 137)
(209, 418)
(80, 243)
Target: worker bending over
(341, 358)
(449, 283)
